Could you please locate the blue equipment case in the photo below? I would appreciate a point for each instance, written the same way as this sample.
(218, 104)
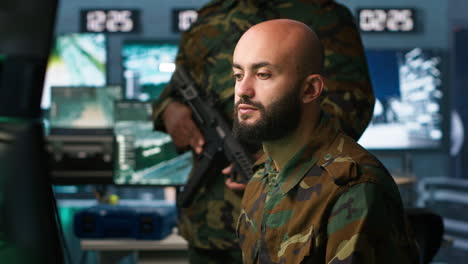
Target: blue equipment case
(117, 221)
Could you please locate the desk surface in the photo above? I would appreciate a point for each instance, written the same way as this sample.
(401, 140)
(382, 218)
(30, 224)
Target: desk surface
(172, 242)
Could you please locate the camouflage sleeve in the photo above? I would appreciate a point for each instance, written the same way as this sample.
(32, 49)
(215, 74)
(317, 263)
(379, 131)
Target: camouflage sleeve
(365, 227)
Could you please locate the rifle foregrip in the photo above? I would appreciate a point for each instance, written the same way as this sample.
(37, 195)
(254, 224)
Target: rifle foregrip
(242, 160)
(199, 175)
(194, 183)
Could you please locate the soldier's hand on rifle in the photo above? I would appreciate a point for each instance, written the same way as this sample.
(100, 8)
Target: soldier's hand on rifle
(182, 128)
(235, 186)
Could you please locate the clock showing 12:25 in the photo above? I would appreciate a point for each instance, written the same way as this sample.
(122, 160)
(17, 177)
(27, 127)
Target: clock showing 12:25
(386, 19)
(110, 20)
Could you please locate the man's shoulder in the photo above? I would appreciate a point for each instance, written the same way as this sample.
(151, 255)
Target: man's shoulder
(209, 17)
(209, 7)
(348, 162)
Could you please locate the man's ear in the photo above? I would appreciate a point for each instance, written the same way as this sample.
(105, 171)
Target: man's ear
(313, 87)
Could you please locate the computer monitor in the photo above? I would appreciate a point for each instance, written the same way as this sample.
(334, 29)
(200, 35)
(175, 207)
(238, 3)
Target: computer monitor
(83, 106)
(147, 67)
(144, 156)
(77, 59)
(409, 109)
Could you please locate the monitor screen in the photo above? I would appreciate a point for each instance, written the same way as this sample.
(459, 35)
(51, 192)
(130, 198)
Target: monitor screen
(147, 67)
(77, 59)
(144, 156)
(83, 107)
(408, 112)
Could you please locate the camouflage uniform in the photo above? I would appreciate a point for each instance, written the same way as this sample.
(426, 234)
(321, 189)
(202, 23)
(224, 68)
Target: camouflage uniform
(333, 202)
(206, 51)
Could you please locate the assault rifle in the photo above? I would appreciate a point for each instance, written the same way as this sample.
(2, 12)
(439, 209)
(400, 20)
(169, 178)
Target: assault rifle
(217, 135)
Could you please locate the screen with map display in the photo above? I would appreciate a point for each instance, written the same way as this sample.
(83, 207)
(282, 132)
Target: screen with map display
(83, 107)
(147, 67)
(409, 109)
(77, 59)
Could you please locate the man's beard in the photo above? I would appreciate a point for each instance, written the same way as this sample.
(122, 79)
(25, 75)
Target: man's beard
(276, 121)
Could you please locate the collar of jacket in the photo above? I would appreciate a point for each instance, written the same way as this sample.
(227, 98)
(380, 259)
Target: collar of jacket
(314, 152)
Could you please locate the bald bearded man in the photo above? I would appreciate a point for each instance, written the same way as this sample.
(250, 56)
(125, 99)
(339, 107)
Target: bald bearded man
(316, 196)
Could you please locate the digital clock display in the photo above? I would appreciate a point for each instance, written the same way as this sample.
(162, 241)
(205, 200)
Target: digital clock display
(110, 20)
(386, 19)
(182, 19)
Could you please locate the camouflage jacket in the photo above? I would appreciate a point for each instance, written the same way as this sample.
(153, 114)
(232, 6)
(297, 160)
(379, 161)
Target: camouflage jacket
(333, 202)
(206, 51)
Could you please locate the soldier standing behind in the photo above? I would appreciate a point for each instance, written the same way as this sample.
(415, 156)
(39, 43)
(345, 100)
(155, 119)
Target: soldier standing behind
(317, 196)
(205, 51)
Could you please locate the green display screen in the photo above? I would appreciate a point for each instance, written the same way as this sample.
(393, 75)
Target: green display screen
(145, 156)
